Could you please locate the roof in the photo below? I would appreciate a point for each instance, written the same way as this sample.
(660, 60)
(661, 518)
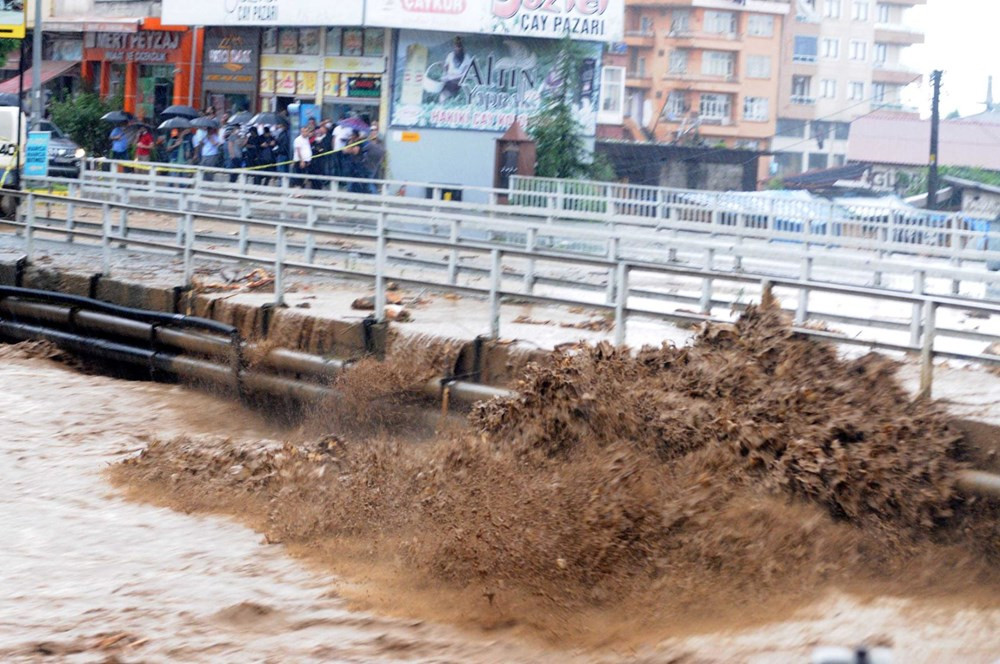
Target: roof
(825, 177)
(962, 183)
(50, 69)
(904, 140)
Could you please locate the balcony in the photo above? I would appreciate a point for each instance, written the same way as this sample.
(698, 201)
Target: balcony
(704, 83)
(636, 79)
(640, 38)
(804, 59)
(711, 41)
(904, 3)
(802, 100)
(901, 35)
(894, 74)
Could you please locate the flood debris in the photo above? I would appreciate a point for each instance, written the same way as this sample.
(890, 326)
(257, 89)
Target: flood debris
(753, 463)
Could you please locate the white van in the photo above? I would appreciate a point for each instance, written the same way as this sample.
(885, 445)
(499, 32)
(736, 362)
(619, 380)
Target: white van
(9, 155)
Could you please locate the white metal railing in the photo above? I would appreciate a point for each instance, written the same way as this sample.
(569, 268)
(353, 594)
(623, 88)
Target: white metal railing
(297, 246)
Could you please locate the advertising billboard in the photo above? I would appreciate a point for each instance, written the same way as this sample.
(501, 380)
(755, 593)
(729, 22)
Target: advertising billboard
(232, 59)
(12, 19)
(257, 13)
(485, 82)
(585, 20)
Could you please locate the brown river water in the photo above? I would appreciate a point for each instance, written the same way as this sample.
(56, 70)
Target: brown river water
(88, 576)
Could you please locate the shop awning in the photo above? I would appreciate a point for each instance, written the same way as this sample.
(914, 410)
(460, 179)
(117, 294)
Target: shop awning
(50, 69)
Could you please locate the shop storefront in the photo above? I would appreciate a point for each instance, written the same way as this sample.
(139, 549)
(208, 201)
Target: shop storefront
(329, 71)
(149, 69)
(231, 64)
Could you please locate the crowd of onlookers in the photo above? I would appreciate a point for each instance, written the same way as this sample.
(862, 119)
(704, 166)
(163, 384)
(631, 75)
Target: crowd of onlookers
(349, 148)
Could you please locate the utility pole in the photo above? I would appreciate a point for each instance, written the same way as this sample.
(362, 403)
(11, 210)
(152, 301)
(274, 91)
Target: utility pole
(932, 171)
(36, 66)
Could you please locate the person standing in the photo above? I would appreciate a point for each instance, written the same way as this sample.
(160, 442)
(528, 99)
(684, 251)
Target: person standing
(302, 155)
(119, 143)
(375, 155)
(341, 134)
(143, 145)
(211, 155)
(235, 141)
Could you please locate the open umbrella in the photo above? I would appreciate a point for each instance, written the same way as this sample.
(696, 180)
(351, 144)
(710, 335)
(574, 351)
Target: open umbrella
(180, 111)
(205, 123)
(8, 99)
(268, 118)
(357, 124)
(176, 123)
(241, 118)
(116, 117)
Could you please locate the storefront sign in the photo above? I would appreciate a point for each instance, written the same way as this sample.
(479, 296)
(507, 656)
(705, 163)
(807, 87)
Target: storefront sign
(255, 13)
(485, 82)
(585, 20)
(354, 65)
(231, 59)
(293, 62)
(12, 19)
(267, 82)
(36, 154)
(284, 83)
(146, 47)
(369, 87)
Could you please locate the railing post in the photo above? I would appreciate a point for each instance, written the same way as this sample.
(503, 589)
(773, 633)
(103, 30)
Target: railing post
(495, 268)
(613, 246)
(621, 302)
(244, 240)
(105, 239)
(182, 207)
(280, 247)
(70, 214)
(29, 229)
(919, 278)
(453, 234)
(188, 249)
(310, 252)
(705, 303)
(927, 350)
(802, 311)
(956, 250)
(380, 261)
(529, 270)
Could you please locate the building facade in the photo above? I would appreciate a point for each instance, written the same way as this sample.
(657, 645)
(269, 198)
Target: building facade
(842, 59)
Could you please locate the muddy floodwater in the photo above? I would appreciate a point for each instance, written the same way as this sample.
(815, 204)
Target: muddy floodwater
(86, 575)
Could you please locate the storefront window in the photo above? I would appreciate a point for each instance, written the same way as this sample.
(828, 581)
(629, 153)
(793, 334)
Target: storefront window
(333, 38)
(354, 42)
(269, 41)
(374, 42)
(156, 89)
(309, 41)
(288, 41)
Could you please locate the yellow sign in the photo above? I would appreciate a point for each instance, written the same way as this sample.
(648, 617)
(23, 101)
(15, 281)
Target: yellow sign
(267, 82)
(331, 85)
(12, 19)
(284, 83)
(306, 83)
(296, 62)
(410, 137)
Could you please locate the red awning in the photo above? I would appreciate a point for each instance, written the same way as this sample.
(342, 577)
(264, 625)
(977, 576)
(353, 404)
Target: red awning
(50, 69)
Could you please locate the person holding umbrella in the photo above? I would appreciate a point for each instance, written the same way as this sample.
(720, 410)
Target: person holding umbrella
(119, 143)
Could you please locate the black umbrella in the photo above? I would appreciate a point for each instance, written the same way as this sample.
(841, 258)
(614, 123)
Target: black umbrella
(241, 118)
(268, 118)
(180, 111)
(117, 117)
(176, 123)
(205, 123)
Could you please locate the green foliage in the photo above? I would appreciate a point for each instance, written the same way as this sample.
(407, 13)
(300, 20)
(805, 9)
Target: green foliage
(6, 47)
(981, 175)
(561, 149)
(775, 184)
(80, 117)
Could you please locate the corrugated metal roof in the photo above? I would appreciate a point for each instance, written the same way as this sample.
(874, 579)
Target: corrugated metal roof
(888, 138)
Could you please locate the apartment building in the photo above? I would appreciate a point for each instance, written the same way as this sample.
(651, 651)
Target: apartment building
(842, 59)
(703, 69)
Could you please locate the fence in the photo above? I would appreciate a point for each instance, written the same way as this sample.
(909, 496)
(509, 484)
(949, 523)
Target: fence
(282, 245)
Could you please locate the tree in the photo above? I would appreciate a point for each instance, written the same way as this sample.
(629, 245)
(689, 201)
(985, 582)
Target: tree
(80, 117)
(559, 142)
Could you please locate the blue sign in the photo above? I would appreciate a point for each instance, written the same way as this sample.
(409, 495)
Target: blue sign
(36, 154)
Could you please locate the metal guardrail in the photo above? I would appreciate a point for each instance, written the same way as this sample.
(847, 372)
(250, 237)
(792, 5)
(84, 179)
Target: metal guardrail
(623, 301)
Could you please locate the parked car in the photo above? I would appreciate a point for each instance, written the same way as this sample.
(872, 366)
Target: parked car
(65, 156)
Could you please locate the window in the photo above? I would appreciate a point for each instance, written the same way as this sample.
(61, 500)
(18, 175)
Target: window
(805, 49)
(881, 53)
(758, 66)
(859, 10)
(720, 23)
(831, 48)
(856, 91)
(859, 50)
(680, 21)
(760, 25)
(819, 131)
(788, 163)
(828, 89)
(878, 93)
(717, 63)
(884, 13)
(679, 61)
(646, 25)
(841, 130)
(715, 107)
(818, 161)
(790, 128)
(801, 86)
(756, 109)
(676, 107)
(831, 9)
(612, 95)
